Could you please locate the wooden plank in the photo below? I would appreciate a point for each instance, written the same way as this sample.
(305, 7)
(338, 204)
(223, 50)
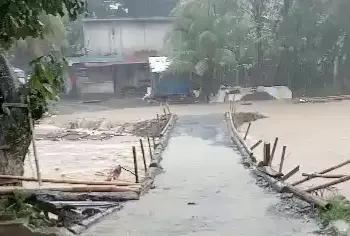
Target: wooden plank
(91, 188)
(63, 181)
(91, 196)
(60, 204)
(19, 105)
(4, 147)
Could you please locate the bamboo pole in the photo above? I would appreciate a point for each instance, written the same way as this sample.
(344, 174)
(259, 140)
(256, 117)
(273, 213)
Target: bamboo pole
(334, 182)
(267, 153)
(154, 143)
(323, 176)
(35, 151)
(168, 108)
(308, 197)
(75, 189)
(158, 124)
(282, 158)
(247, 131)
(290, 173)
(62, 181)
(283, 187)
(236, 134)
(323, 172)
(143, 155)
(150, 148)
(135, 165)
(273, 150)
(256, 145)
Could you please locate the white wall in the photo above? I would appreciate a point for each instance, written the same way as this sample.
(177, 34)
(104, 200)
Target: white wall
(112, 37)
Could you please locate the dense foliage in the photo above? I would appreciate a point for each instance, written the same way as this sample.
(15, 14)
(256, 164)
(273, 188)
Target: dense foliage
(301, 44)
(28, 21)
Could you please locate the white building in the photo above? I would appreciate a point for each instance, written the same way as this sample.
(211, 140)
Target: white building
(126, 36)
(117, 52)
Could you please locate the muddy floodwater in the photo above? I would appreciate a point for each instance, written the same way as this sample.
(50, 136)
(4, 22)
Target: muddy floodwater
(204, 191)
(317, 136)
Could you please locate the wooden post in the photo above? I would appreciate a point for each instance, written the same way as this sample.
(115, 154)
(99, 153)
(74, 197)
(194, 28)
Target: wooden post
(267, 152)
(282, 158)
(150, 148)
(167, 107)
(158, 124)
(290, 173)
(323, 172)
(143, 155)
(135, 165)
(164, 111)
(273, 151)
(246, 133)
(256, 145)
(35, 151)
(154, 143)
(274, 147)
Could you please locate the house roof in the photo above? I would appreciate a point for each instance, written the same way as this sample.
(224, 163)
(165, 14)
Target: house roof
(100, 61)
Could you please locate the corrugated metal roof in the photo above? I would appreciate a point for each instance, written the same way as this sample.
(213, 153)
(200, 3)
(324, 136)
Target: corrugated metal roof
(164, 19)
(158, 64)
(95, 59)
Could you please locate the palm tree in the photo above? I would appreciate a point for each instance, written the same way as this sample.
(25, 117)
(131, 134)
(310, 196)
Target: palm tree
(208, 38)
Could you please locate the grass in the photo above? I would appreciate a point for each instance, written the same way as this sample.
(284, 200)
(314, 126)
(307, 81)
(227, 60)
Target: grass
(340, 210)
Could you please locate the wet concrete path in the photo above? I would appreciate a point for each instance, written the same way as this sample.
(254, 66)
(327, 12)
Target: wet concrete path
(201, 167)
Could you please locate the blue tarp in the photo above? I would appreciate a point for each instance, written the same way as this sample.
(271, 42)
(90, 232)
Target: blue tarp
(173, 86)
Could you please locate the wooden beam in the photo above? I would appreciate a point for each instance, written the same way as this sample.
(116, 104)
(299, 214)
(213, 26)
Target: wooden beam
(290, 173)
(323, 172)
(323, 176)
(67, 181)
(19, 105)
(334, 182)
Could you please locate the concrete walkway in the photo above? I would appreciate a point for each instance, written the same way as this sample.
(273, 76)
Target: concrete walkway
(202, 169)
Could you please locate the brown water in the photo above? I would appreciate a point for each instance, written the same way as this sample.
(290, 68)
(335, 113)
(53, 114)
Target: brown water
(316, 135)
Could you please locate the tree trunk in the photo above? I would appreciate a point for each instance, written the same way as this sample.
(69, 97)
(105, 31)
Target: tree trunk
(15, 136)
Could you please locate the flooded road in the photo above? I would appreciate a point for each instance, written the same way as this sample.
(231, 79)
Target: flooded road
(204, 191)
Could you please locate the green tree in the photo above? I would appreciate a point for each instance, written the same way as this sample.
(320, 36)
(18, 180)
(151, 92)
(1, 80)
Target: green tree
(54, 39)
(202, 40)
(20, 19)
(302, 44)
